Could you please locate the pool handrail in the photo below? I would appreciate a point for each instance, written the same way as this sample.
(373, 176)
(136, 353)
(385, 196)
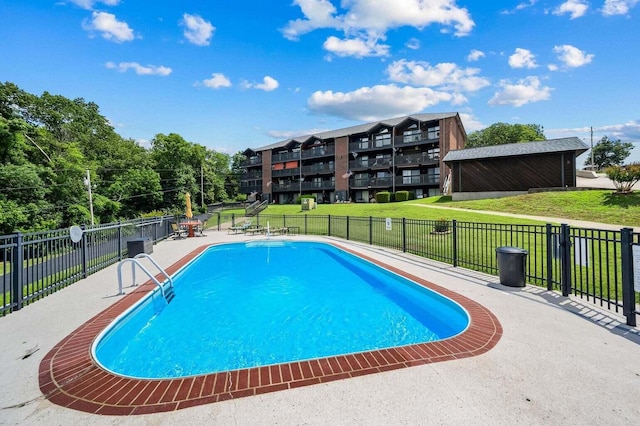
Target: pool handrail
(134, 261)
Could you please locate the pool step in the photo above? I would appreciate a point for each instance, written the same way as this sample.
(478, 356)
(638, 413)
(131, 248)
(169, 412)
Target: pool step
(169, 294)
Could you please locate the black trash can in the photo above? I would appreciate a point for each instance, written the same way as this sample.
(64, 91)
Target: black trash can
(139, 245)
(512, 263)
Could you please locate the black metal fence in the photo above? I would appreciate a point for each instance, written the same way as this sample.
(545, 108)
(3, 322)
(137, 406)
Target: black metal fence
(593, 264)
(36, 264)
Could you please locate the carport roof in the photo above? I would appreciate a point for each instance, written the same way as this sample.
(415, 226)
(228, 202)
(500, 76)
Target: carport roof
(518, 149)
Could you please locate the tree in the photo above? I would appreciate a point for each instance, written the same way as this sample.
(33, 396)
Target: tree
(607, 153)
(624, 177)
(503, 133)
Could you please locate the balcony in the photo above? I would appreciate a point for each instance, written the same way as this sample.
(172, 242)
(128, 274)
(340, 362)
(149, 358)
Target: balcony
(248, 189)
(325, 184)
(285, 156)
(286, 187)
(431, 180)
(417, 159)
(286, 172)
(374, 182)
(251, 175)
(316, 169)
(322, 151)
(371, 163)
(253, 161)
(363, 146)
(415, 140)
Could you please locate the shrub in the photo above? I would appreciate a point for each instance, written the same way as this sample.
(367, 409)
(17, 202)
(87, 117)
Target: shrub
(383, 197)
(441, 225)
(402, 196)
(624, 177)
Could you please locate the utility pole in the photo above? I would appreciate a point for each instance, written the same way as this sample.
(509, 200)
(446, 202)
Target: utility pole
(593, 165)
(87, 181)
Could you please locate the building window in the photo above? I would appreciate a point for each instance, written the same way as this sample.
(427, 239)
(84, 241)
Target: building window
(412, 135)
(383, 139)
(433, 132)
(410, 176)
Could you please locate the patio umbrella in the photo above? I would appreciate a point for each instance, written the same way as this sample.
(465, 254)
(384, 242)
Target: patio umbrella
(188, 213)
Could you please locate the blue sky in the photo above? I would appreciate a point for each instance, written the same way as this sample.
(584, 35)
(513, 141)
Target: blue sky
(231, 75)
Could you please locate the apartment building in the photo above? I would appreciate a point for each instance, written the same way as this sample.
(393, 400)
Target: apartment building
(354, 163)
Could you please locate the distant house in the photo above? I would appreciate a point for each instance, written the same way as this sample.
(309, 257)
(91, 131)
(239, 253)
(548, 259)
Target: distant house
(512, 169)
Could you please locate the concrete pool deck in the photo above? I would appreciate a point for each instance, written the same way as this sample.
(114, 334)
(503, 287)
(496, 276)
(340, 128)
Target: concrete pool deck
(559, 361)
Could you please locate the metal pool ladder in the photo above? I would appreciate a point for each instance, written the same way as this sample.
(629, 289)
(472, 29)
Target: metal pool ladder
(168, 294)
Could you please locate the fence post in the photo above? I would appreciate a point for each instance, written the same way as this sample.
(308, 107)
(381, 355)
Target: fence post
(17, 271)
(85, 254)
(628, 292)
(119, 241)
(329, 225)
(370, 230)
(565, 256)
(404, 235)
(550, 248)
(233, 219)
(454, 243)
(347, 228)
(305, 224)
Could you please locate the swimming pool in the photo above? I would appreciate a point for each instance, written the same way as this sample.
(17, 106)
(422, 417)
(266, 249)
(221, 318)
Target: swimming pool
(243, 305)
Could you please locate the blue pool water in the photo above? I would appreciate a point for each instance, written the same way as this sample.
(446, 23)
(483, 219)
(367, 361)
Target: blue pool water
(251, 304)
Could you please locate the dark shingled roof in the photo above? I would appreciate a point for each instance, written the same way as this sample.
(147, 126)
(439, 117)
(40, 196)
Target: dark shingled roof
(361, 128)
(518, 149)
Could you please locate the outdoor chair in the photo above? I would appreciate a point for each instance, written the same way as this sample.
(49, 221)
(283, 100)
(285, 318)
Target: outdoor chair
(177, 232)
(240, 228)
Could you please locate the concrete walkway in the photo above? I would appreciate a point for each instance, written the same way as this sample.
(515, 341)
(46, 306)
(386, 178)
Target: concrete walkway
(560, 361)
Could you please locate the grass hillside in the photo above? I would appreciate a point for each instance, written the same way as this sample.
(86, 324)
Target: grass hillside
(595, 206)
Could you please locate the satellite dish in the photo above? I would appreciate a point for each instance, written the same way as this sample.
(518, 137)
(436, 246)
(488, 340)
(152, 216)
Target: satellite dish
(75, 233)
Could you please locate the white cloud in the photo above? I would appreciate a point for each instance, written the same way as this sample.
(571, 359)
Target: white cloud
(446, 76)
(618, 7)
(140, 69)
(197, 30)
(525, 91)
(377, 102)
(356, 47)
(576, 8)
(522, 58)
(377, 16)
(471, 123)
(110, 28)
(217, 81)
(475, 55)
(88, 4)
(268, 84)
(413, 43)
(520, 7)
(571, 56)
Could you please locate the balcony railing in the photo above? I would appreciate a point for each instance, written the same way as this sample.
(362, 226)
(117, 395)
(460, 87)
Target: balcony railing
(417, 159)
(247, 189)
(253, 161)
(251, 175)
(286, 172)
(374, 182)
(285, 156)
(318, 169)
(369, 145)
(319, 152)
(371, 163)
(417, 180)
(284, 187)
(325, 184)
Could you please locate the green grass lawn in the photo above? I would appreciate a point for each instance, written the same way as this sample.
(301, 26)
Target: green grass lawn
(595, 206)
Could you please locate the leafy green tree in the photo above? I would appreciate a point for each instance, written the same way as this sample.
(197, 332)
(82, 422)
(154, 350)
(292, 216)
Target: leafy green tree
(608, 153)
(503, 133)
(624, 177)
(175, 159)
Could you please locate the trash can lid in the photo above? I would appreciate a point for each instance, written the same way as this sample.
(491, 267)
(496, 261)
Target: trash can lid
(511, 250)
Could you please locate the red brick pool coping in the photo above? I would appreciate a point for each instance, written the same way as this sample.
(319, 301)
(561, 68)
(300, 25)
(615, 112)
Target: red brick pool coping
(69, 376)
